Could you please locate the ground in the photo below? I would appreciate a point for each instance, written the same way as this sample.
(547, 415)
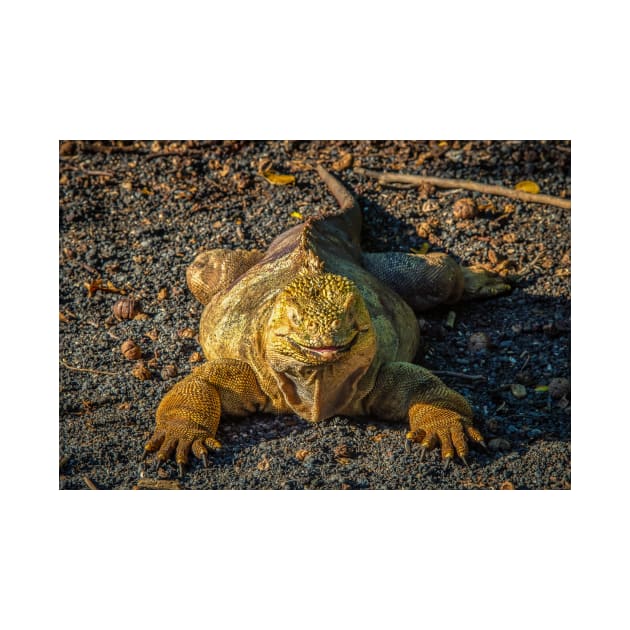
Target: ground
(133, 215)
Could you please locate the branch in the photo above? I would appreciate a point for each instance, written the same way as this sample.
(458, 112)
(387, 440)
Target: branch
(387, 178)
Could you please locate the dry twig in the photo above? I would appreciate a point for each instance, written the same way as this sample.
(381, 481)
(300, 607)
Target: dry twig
(387, 178)
(91, 371)
(89, 483)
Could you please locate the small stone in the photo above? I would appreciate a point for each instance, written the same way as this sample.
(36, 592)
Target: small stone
(464, 208)
(162, 294)
(499, 444)
(559, 387)
(195, 357)
(518, 390)
(478, 342)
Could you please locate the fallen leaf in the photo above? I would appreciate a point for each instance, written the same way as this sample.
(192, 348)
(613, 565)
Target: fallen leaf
(301, 454)
(296, 215)
(277, 179)
(162, 294)
(97, 285)
(542, 388)
(528, 186)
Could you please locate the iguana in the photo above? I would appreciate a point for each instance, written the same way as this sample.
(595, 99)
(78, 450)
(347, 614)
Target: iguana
(314, 326)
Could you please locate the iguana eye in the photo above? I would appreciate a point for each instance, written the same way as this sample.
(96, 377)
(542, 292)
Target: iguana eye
(293, 316)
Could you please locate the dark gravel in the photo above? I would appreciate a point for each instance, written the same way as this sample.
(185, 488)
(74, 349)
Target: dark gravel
(134, 215)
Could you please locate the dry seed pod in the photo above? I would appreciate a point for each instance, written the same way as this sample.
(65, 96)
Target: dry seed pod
(125, 308)
(130, 350)
(464, 208)
(195, 357)
(141, 372)
(169, 371)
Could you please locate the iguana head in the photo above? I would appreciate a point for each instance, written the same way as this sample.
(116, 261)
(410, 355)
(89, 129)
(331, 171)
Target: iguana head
(318, 319)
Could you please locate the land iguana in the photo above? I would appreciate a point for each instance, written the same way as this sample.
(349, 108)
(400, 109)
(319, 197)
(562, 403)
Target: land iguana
(314, 326)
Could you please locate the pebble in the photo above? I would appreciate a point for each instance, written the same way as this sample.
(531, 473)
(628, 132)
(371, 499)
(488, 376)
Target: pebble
(499, 444)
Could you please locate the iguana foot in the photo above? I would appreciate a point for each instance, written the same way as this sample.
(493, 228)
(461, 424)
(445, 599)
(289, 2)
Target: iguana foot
(431, 426)
(180, 439)
(479, 282)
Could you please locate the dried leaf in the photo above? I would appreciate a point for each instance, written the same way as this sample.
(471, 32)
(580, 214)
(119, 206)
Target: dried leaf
(296, 215)
(263, 464)
(162, 294)
(277, 179)
(97, 285)
(301, 454)
(528, 186)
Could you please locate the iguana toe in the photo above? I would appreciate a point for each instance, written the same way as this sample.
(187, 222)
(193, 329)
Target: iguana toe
(480, 282)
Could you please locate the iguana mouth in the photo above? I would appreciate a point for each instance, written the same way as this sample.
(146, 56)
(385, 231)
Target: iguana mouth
(325, 352)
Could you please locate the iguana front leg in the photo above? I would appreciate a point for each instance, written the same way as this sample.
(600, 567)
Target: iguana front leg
(437, 414)
(188, 416)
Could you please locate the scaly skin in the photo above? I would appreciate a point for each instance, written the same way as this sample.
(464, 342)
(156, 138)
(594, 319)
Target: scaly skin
(315, 327)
